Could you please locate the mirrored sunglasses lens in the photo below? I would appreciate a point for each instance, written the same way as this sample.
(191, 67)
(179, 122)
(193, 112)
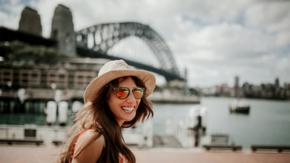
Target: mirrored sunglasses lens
(138, 93)
(122, 93)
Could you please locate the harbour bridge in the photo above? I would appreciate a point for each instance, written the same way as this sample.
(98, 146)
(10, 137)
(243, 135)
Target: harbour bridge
(99, 41)
(105, 36)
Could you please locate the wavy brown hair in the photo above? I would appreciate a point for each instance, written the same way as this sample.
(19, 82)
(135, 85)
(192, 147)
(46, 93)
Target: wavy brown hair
(98, 116)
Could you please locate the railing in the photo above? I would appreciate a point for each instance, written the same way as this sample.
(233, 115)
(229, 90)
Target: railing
(179, 131)
(32, 134)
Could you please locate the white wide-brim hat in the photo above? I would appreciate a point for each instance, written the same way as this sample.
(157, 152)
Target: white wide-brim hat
(116, 69)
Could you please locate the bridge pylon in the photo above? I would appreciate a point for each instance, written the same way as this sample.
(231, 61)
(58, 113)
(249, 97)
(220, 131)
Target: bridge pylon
(62, 29)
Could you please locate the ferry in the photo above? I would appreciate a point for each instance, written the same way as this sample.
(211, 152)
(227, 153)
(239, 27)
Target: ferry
(239, 106)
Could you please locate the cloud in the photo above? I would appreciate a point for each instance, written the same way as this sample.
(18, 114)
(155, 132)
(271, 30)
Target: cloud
(272, 16)
(10, 13)
(214, 40)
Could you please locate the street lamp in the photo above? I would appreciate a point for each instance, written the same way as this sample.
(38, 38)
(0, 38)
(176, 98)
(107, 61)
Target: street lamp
(9, 84)
(51, 108)
(53, 86)
(21, 95)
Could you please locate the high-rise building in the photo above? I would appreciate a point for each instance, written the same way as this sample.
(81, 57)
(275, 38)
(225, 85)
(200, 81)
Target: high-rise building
(237, 82)
(277, 84)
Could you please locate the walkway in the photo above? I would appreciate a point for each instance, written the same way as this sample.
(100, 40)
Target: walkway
(34, 154)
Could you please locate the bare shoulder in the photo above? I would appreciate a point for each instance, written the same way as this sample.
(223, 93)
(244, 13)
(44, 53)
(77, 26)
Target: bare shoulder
(89, 147)
(91, 135)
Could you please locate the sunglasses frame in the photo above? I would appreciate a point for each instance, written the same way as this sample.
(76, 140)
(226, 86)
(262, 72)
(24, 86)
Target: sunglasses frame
(130, 90)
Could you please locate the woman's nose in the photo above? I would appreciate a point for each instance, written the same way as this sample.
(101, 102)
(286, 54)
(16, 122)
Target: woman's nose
(131, 97)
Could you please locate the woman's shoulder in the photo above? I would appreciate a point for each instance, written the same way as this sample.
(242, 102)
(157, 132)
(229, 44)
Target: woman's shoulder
(89, 141)
(91, 136)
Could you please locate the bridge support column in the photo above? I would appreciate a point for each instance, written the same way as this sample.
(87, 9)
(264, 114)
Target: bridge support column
(62, 29)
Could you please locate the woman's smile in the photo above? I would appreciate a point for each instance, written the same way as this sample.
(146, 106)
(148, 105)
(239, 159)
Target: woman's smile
(128, 109)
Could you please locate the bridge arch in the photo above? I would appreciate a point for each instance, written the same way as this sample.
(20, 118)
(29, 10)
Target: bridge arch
(105, 36)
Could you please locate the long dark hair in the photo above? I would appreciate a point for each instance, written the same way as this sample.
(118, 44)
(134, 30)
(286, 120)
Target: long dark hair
(98, 116)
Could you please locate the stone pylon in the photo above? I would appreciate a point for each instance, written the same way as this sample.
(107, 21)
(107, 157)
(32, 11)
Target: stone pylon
(30, 21)
(62, 29)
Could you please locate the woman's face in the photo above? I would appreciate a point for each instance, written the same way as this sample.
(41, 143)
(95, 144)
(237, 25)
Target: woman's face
(124, 110)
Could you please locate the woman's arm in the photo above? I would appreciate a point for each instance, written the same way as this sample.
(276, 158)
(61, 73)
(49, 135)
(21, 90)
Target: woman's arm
(91, 149)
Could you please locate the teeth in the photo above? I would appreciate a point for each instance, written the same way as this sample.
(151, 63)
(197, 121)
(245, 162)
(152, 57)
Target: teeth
(127, 109)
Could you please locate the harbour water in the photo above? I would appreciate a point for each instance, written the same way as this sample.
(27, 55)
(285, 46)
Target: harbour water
(268, 122)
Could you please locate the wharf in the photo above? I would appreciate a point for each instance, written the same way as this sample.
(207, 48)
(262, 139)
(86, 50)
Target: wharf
(49, 136)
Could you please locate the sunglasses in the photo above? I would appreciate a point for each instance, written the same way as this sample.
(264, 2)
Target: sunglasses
(123, 92)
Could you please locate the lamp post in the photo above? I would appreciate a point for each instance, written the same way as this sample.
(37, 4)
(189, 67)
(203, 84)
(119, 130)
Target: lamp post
(51, 108)
(21, 96)
(53, 86)
(9, 84)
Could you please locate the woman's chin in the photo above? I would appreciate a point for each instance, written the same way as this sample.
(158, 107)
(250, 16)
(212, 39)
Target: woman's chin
(129, 118)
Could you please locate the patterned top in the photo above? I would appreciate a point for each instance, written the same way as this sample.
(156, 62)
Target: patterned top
(122, 158)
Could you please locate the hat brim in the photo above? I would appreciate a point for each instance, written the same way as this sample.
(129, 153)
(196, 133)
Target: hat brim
(92, 89)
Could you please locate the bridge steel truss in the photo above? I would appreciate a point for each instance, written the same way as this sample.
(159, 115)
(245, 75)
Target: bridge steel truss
(111, 33)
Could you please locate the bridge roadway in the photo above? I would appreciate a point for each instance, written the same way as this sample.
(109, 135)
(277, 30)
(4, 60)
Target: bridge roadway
(84, 52)
(10, 35)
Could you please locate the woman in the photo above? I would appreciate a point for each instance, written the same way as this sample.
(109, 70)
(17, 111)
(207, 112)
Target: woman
(116, 98)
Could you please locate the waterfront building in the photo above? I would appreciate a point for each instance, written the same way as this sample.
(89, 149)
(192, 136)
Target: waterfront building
(40, 81)
(266, 91)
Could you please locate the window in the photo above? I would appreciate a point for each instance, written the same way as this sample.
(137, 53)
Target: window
(34, 75)
(34, 81)
(61, 76)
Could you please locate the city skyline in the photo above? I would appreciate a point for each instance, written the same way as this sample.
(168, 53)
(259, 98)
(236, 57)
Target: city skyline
(214, 41)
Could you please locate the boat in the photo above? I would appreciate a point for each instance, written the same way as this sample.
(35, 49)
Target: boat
(239, 106)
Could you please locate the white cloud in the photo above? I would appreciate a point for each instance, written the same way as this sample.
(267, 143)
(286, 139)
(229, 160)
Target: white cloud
(271, 15)
(2, 18)
(215, 40)
(11, 18)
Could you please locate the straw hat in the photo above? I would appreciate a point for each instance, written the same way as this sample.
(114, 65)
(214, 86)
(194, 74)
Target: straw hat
(116, 69)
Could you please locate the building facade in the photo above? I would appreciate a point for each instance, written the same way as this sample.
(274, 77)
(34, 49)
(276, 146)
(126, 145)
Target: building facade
(40, 81)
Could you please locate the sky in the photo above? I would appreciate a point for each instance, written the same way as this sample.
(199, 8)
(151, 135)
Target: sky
(215, 40)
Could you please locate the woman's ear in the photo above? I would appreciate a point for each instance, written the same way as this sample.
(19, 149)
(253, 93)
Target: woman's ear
(108, 97)
(108, 87)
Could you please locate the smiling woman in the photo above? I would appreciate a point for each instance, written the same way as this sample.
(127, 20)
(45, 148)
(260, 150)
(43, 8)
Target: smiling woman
(116, 98)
